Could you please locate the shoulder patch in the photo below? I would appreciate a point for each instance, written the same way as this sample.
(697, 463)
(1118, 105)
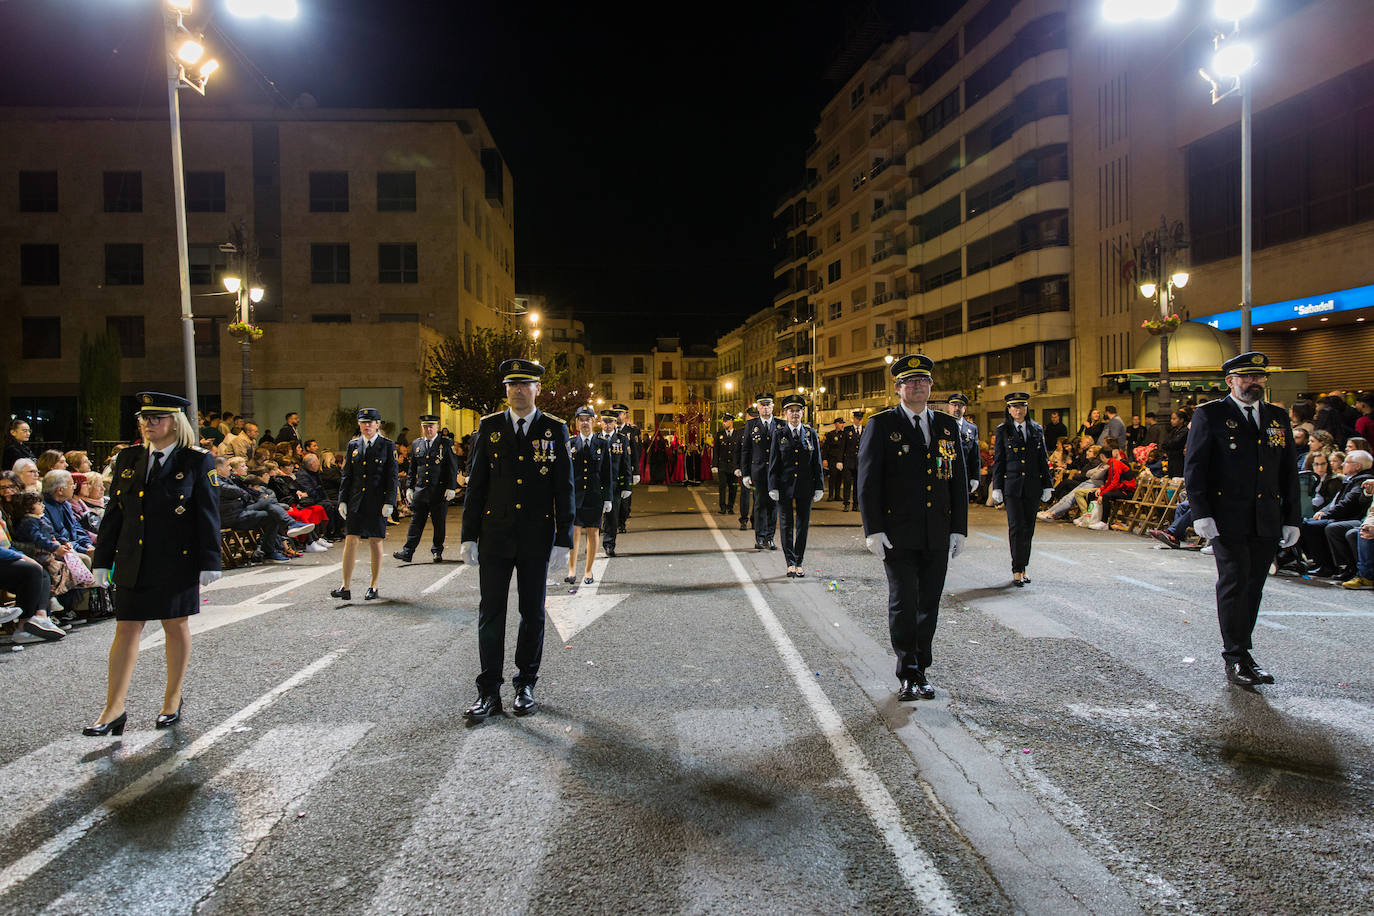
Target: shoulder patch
(197, 448)
(214, 478)
(493, 416)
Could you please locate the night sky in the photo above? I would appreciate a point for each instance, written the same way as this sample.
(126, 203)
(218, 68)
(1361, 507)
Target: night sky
(649, 144)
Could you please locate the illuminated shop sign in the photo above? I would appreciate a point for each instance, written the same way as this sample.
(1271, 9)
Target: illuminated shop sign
(1347, 300)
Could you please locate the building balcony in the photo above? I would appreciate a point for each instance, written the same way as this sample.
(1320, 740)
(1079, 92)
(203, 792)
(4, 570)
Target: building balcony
(883, 298)
(888, 215)
(887, 253)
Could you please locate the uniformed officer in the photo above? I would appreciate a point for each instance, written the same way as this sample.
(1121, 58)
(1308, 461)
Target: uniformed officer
(914, 506)
(621, 477)
(432, 471)
(519, 512)
(1240, 467)
(630, 433)
(849, 462)
(160, 535)
(1021, 475)
(795, 480)
(724, 452)
(758, 441)
(832, 456)
(968, 439)
(591, 461)
(746, 508)
(367, 497)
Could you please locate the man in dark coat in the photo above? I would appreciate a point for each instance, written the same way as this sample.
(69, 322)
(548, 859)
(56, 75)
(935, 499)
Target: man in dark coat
(848, 464)
(367, 497)
(968, 439)
(1242, 478)
(1021, 477)
(631, 435)
(832, 456)
(758, 441)
(913, 500)
(724, 452)
(519, 513)
(432, 476)
(746, 510)
(288, 431)
(795, 480)
(622, 476)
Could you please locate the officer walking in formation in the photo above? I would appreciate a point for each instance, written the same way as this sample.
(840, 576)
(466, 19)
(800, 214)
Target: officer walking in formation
(913, 501)
(758, 441)
(832, 456)
(630, 432)
(621, 477)
(367, 497)
(724, 452)
(968, 439)
(746, 511)
(519, 513)
(591, 466)
(432, 471)
(1021, 476)
(848, 465)
(795, 480)
(1240, 467)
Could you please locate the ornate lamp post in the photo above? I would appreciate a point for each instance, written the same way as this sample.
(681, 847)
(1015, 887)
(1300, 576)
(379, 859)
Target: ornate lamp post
(1158, 263)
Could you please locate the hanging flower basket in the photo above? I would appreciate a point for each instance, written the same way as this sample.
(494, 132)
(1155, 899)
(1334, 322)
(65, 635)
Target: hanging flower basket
(242, 330)
(1166, 325)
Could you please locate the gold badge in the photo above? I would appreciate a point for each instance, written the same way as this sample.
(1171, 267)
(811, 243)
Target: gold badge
(896, 437)
(495, 437)
(180, 475)
(1232, 424)
(126, 473)
(1257, 359)
(548, 434)
(214, 478)
(179, 510)
(544, 469)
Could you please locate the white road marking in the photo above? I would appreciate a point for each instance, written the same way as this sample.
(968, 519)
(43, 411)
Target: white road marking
(228, 818)
(1145, 585)
(1317, 613)
(26, 867)
(990, 537)
(573, 613)
(1055, 556)
(444, 580)
(916, 866)
(40, 777)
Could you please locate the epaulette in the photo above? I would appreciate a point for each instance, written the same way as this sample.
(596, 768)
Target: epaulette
(492, 416)
(556, 419)
(197, 448)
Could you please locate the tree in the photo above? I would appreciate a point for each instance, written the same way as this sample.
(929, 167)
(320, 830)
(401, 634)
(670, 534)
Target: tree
(465, 371)
(562, 391)
(959, 375)
(99, 384)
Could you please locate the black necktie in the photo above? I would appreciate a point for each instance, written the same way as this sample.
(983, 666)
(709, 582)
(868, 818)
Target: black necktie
(920, 436)
(1250, 416)
(520, 430)
(157, 466)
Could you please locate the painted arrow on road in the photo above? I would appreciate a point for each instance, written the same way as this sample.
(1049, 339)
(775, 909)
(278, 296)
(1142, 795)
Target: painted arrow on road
(573, 613)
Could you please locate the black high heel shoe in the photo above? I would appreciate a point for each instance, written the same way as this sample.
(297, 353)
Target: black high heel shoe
(113, 727)
(588, 580)
(167, 721)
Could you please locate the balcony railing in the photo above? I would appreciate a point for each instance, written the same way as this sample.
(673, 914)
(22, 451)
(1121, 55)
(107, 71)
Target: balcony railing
(896, 206)
(889, 296)
(883, 254)
(880, 167)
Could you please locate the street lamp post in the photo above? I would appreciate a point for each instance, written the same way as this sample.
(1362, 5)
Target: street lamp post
(247, 297)
(1159, 258)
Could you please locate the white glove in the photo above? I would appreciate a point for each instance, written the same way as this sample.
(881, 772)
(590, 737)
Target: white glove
(558, 559)
(738, 472)
(1045, 494)
(774, 495)
(448, 495)
(386, 511)
(624, 494)
(606, 506)
(102, 577)
(839, 465)
(877, 544)
(817, 496)
(972, 485)
(997, 497)
(1206, 527)
(636, 480)
(343, 510)
(956, 544)
(467, 552)
(410, 496)
(715, 470)
(748, 482)
(209, 575)
(1289, 537)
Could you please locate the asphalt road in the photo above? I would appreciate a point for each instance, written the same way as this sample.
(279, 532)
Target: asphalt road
(712, 738)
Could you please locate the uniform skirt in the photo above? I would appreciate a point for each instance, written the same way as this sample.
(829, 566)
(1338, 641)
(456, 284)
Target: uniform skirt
(162, 601)
(365, 525)
(589, 516)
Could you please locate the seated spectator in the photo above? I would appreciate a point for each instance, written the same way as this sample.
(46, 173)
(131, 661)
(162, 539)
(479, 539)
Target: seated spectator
(78, 462)
(1364, 546)
(108, 470)
(1118, 484)
(210, 434)
(331, 473)
(91, 494)
(36, 533)
(1318, 441)
(16, 443)
(1173, 535)
(51, 460)
(1331, 418)
(308, 482)
(10, 488)
(32, 587)
(1328, 484)
(1356, 444)
(1316, 534)
(1092, 477)
(26, 469)
(245, 508)
(240, 445)
(58, 490)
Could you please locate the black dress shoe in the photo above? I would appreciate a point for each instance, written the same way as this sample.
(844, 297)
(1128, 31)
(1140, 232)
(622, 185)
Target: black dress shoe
(1251, 668)
(771, 545)
(588, 581)
(610, 552)
(488, 704)
(1019, 583)
(343, 593)
(922, 686)
(371, 595)
(571, 580)
(1025, 580)
(112, 727)
(165, 720)
(908, 691)
(801, 573)
(743, 526)
(620, 530)
(524, 700)
(758, 544)
(403, 555)
(438, 555)
(1242, 674)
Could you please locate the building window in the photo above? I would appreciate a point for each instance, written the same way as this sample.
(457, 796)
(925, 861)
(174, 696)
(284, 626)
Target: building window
(129, 330)
(856, 340)
(37, 192)
(938, 65)
(124, 265)
(639, 365)
(945, 323)
(667, 370)
(398, 263)
(467, 272)
(941, 271)
(331, 318)
(41, 338)
(206, 336)
(854, 221)
(639, 392)
(123, 192)
(38, 265)
(479, 287)
(832, 345)
(832, 197)
(205, 192)
(1030, 297)
(329, 263)
(667, 394)
(832, 271)
(467, 207)
(939, 114)
(328, 192)
(939, 220)
(396, 192)
(207, 264)
(856, 96)
(607, 365)
(1056, 359)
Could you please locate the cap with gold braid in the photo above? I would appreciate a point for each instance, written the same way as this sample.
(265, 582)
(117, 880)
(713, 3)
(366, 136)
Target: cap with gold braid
(520, 370)
(1017, 399)
(958, 397)
(156, 402)
(584, 411)
(793, 400)
(913, 366)
(610, 413)
(429, 418)
(1246, 364)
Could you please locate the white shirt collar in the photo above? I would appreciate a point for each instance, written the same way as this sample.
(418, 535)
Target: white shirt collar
(1243, 406)
(515, 418)
(912, 415)
(165, 452)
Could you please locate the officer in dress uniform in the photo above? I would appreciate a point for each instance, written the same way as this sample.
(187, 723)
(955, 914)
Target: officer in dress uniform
(367, 497)
(1240, 467)
(758, 441)
(591, 460)
(630, 432)
(432, 471)
(724, 451)
(832, 456)
(1021, 476)
(795, 480)
(519, 513)
(848, 465)
(746, 510)
(968, 439)
(160, 536)
(621, 477)
(914, 505)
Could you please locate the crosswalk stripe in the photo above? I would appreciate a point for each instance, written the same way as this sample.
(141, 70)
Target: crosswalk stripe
(444, 580)
(40, 777)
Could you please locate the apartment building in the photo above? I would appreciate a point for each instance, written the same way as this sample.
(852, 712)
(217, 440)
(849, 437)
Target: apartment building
(730, 390)
(558, 340)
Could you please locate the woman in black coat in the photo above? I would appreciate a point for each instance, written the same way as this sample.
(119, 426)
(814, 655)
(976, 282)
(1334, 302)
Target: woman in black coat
(16, 443)
(367, 497)
(1175, 438)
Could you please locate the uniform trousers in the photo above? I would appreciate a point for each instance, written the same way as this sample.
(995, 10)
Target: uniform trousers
(833, 485)
(796, 522)
(728, 486)
(610, 522)
(1242, 566)
(915, 579)
(1021, 528)
(849, 487)
(494, 574)
(622, 514)
(746, 503)
(433, 508)
(765, 515)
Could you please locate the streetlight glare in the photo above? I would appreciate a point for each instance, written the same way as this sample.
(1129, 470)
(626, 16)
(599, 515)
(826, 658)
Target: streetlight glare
(1148, 290)
(1159, 9)
(232, 284)
(183, 5)
(277, 9)
(1232, 59)
(190, 51)
(1234, 9)
(1118, 10)
(1179, 279)
(256, 293)
(210, 66)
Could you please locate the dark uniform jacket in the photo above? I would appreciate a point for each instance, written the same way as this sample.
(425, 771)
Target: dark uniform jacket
(636, 445)
(968, 438)
(850, 452)
(368, 478)
(520, 494)
(832, 446)
(917, 496)
(794, 467)
(622, 475)
(1243, 479)
(755, 450)
(591, 472)
(1021, 467)
(725, 452)
(432, 469)
(170, 524)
